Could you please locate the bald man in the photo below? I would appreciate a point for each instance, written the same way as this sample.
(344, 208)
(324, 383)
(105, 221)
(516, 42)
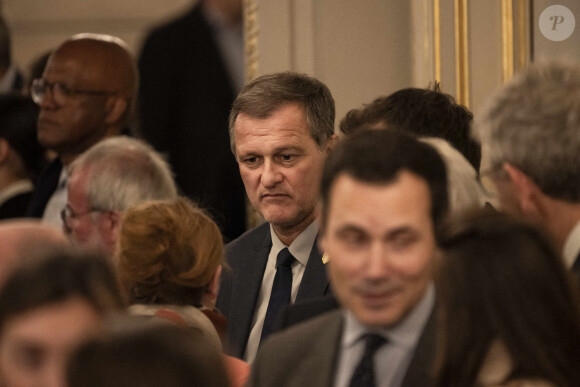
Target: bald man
(85, 95)
(21, 238)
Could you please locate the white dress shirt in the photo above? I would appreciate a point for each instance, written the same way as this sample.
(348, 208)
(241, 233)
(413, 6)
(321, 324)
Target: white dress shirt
(392, 359)
(57, 202)
(572, 246)
(300, 249)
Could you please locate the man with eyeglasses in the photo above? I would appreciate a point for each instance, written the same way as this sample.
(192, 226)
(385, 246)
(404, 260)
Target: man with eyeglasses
(111, 176)
(85, 95)
(530, 133)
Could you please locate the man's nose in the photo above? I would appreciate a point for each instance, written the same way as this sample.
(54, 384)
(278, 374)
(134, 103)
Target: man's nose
(47, 100)
(271, 174)
(378, 263)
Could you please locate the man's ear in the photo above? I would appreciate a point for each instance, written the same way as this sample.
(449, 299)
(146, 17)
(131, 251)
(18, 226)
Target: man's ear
(116, 108)
(115, 226)
(526, 190)
(331, 142)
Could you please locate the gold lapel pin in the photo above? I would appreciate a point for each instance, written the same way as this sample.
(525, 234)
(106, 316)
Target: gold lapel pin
(325, 258)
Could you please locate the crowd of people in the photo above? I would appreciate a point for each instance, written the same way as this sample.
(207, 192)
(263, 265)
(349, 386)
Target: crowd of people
(391, 252)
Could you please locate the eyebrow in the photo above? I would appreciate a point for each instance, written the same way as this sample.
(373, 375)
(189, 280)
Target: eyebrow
(390, 234)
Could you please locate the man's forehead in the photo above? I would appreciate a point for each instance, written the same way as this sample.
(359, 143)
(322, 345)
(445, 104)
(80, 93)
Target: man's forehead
(97, 63)
(405, 184)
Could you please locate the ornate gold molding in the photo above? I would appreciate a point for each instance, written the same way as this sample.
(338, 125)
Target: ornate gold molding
(523, 23)
(437, 39)
(507, 40)
(251, 32)
(461, 52)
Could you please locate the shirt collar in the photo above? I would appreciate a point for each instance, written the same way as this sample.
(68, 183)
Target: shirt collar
(405, 334)
(302, 245)
(572, 246)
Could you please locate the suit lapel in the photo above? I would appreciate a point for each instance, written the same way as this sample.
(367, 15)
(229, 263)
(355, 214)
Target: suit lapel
(314, 282)
(320, 366)
(419, 370)
(248, 280)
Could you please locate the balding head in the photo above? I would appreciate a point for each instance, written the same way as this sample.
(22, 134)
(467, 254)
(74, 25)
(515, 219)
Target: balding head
(21, 239)
(107, 58)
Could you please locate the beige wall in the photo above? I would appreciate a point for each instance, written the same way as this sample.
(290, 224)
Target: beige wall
(361, 49)
(367, 48)
(40, 25)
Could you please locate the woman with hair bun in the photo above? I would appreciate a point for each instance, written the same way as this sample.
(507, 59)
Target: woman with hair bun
(169, 259)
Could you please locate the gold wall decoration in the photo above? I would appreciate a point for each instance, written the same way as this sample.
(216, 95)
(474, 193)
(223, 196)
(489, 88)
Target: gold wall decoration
(461, 52)
(252, 56)
(523, 23)
(251, 32)
(507, 40)
(437, 39)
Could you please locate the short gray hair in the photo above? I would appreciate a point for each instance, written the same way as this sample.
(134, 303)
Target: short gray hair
(268, 93)
(533, 122)
(122, 172)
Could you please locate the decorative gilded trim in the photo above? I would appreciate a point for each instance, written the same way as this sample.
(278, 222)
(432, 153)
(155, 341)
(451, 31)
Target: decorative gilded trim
(507, 40)
(251, 32)
(437, 39)
(252, 56)
(461, 53)
(523, 31)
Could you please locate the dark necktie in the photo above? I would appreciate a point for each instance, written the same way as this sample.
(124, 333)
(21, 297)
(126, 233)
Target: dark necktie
(281, 291)
(364, 373)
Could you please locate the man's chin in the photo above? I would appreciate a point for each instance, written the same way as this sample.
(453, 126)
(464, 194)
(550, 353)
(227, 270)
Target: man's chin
(378, 319)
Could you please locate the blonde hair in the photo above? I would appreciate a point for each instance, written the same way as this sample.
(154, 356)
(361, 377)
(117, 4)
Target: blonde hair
(168, 252)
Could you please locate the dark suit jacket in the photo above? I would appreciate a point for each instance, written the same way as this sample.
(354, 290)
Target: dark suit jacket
(44, 187)
(310, 352)
(305, 310)
(185, 96)
(16, 206)
(247, 257)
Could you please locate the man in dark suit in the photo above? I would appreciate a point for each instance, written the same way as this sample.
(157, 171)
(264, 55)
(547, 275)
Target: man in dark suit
(20, 154)
(281, 128)
(85, 95)
(383, 194)
(191, 70)
(530, 131)
(11, 80)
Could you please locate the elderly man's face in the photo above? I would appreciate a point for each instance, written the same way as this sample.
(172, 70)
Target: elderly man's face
(381, 244)
(87, 226)
(281, 165)
(72, 123)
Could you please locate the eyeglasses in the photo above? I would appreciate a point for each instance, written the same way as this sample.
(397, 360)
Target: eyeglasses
(67, 214)
(60, 91)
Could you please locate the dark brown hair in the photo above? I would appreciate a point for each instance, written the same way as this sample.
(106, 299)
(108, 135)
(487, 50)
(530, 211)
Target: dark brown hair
(147, 355)
(57, 276)
(500, 279)
(423, 112)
